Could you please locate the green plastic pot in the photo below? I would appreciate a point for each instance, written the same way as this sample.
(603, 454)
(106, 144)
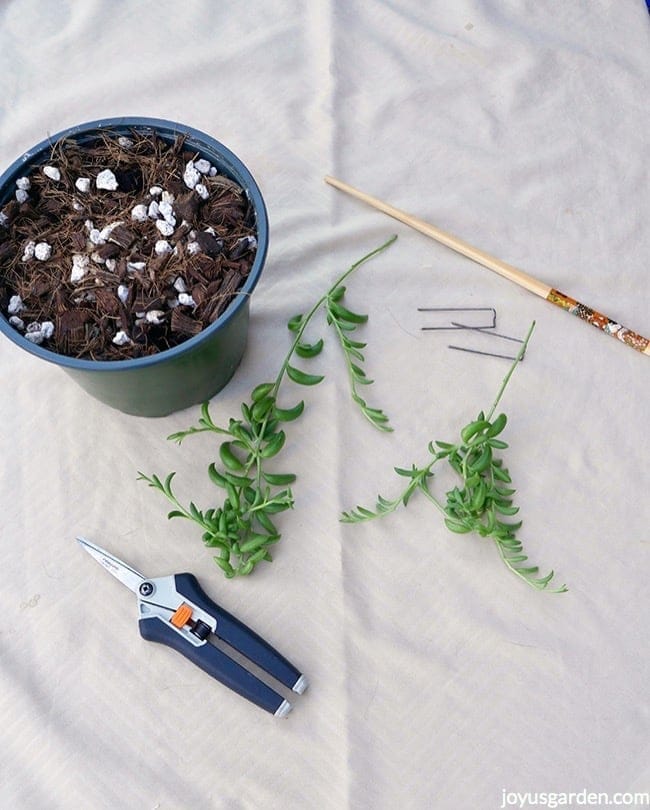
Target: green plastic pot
(197, 369)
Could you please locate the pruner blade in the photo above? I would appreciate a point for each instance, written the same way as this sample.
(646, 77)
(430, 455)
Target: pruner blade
(125, 573)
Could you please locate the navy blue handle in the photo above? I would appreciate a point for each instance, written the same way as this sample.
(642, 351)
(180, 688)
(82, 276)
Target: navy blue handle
(215, 662)
(235, 633)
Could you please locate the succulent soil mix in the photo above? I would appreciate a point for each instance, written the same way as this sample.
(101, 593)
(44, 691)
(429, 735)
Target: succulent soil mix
(122, 247)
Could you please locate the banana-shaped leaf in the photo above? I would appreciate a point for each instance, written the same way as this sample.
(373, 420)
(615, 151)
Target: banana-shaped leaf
(302, 378)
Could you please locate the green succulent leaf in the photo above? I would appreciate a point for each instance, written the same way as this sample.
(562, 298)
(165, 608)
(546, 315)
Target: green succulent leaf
(295, 324)
(302, 377)
(261, 391)
(310, 349)
(228, 457)
(261, 408)
(474, 428)
(497, 426)
(279, 479)
(274, 445)
(456, 526)
(256, 541)
(341, 313)
(215, 476)
(289, 414)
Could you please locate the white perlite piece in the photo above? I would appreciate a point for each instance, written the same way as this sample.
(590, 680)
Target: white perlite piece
(162, 247)
(80, 264)
(38, 332)
(203, 165)
(124, 142)
(15, 305)
(82, 184)
(4, 219)
(34, 337)
(28, 251)
(155, 191)
(23, 185)
(165, 227)
(106, 180)
(155, 316)
(95, 237)
(52, 172)
(166, 211)
(191, 175)
(43, 251)
(179, 285)
(17, 323)
(186, 300)
(139, 213)
(202, 191)
(134, 266)
(153, 212)
(106, 232)
(123, 293)
(193, 248)
(121, 338)
(47, 329)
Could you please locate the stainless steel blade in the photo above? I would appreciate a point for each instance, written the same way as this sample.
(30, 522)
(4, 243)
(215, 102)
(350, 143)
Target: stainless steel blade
(120, 570)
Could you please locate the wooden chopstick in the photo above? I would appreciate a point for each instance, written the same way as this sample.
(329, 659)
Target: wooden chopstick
(539, 288)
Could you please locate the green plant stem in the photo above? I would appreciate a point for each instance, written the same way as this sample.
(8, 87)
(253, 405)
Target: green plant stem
(307, 318)
(243, 527)
(506, 379)
(305, 321)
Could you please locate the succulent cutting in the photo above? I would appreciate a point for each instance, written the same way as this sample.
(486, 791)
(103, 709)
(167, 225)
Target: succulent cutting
(242, 528)
(482, 501)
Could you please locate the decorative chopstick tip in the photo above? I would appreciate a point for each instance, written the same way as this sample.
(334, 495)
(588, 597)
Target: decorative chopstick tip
(599, 321)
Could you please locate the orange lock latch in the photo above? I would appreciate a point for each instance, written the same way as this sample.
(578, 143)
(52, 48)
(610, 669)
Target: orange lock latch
(182, 615)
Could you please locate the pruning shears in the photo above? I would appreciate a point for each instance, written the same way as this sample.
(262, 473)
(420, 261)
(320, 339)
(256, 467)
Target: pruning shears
(174, 610)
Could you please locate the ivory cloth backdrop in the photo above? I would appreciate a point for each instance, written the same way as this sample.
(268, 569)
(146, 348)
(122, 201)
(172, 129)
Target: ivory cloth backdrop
(437, 678)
